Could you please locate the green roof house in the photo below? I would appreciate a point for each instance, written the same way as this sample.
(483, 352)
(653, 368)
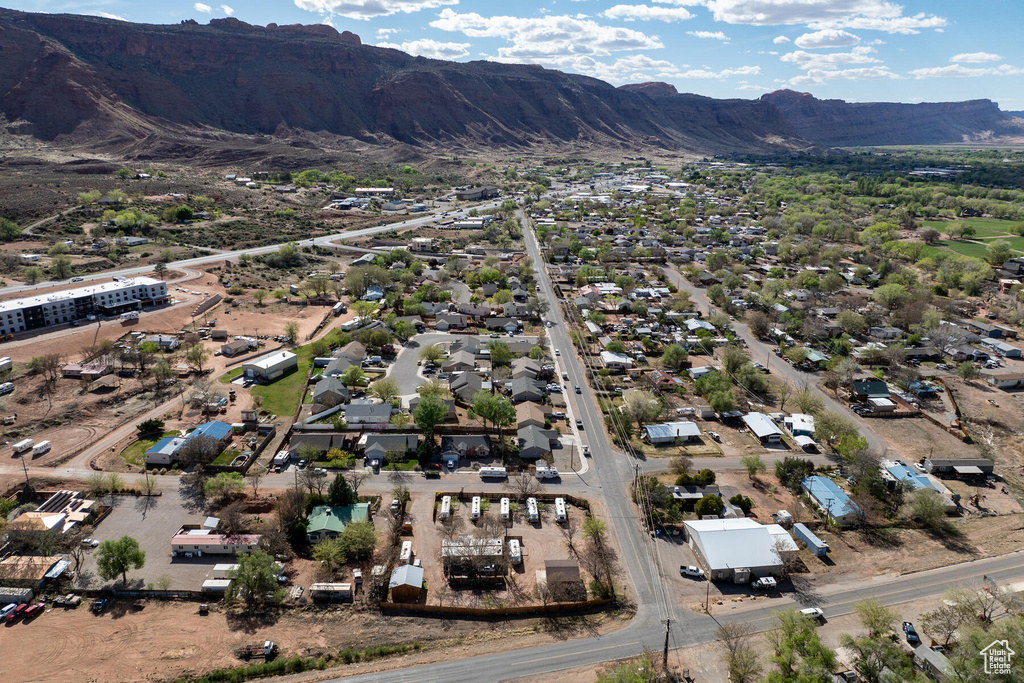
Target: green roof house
(327, 522)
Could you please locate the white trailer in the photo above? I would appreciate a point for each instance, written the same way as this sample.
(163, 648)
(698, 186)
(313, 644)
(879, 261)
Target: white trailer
(224, 571)
(560, 513)
(547, 473)
(406, 555)
(6, 388)
(531, 510)
(475, 514)
(40, 448)
(338, 309)
(515, 554)
(446, 508)
(23, 445)
(6, 364)
(505, 509)
(282, 458)
(493, 472)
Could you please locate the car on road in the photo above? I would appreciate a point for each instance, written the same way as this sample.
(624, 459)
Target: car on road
(695, 572)
(911, 633)
(565, 376)
(586, 450)
(579, 424)
(494, 335)
(78, 279)
(557, 352)
(549, 324)
(578, 389)
(944, 366)
(813, 613)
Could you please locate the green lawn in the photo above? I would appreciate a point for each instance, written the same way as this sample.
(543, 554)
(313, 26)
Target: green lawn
(226, 457)
(230, 375)
(966, 248)
(984, 227)
(406, 466)
(282, 396)
(135, 454)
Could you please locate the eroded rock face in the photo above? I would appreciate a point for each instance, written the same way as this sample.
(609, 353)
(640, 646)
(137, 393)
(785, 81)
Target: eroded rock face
(840, 123)
(73, 78)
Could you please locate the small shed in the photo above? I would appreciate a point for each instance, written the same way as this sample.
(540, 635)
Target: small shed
(406, 583)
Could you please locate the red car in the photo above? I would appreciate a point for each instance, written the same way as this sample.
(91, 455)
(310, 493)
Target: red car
(34, 610)
(17, 612)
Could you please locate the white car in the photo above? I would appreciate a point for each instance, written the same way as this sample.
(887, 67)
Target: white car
(557, 352)
(813, 613)
(695, 572)
(90, 543)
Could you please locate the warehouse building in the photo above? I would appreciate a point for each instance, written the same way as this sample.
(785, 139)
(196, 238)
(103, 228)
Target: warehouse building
(739, 549)
(270, 367)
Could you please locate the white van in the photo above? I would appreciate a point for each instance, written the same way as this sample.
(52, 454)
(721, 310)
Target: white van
(475, 514)
(560, 515)
(23, 445)
(41, 447)
(505, 507)
(446, 508)
(531, 510)
(515, 554)
(406, 555)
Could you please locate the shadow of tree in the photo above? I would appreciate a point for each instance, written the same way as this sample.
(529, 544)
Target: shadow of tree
(250, 622)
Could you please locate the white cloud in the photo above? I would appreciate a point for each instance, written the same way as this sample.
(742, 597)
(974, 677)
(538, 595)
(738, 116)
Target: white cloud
(385, 32)
(430, 48)
(646, 13)
(750, 86)
(368, 9)
(830, 60)
(958, 71)
(227, 10)
(826, 38)
(707, 74)
(822, 76)
(879, 15)
(780, 39)
(200, 7)
(544, 39)
(715, 35)
(976, 57)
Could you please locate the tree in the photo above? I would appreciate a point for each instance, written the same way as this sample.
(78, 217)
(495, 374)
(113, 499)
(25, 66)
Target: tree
(199, 450)
(759, 324)
(48, 366)
(385, 389)
(358, 541)
(740, 656)
(224, 486)
(430, 412)
(116, 558)
(352, 376)
(197, 356)
(151, 426)
(144, 354)
(255, 576)
(500, 354)
(709, 505)
(830, 428)
(291, 330)
(876, 617)
(431, 353)
(926, 507)
(259, 296)
(314, 479)
(433, 387)
(790, 471)
(160, 270)
(61, 266)
(733, 358)
(356, 479)
(929, 235)
(642, 406)
(328, 552)
(340, 494)
(32, 274)
(753, 465)
(255, 476)
(680, 464)
(523, 485)
(945, 621)
(892, 296)
(851, 322)
(967, 370)
(674, 357)
(998, 252)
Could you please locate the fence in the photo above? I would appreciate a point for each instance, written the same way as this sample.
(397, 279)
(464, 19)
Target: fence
(244, 467)
(206, 305)
(499, 612)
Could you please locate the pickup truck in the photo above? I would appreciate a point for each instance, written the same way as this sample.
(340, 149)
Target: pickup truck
(765, 583)
(267, 650)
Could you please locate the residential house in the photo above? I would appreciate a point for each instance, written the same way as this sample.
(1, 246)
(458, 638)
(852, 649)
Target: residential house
(535, 442)
(271, 366)
(530, 413)
(865, 389)
(800, 424)
(451, 321)
(739, 549)
(761, 426)
(234, 348)
(465, 385)
(459, 361)
(379, 446)
(368, 413)
(450, 403)
(330, 392)
(465, 446)
(831, 500)
(525, 389)
(616, 361)
(406, 583)
(1006, 380)
(682, 431)
(525, 367)
(326, 521)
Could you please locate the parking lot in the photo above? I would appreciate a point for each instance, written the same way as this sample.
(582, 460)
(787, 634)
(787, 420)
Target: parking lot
(152, 522)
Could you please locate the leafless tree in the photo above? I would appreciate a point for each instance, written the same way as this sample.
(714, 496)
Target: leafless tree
(452, 527)
(232, 518)
(523, 485)
(199, 450)
(570, 529)
(314, 480)
(356, 478)
(740, 656)
(254, 476)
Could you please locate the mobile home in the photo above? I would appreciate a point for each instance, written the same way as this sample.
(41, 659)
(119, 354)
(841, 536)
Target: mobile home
(515, 554)
(446, 508)
(494, 472)
(475, 515)
(40, 448)
(23, 445)
(560, 514)
(531, 510)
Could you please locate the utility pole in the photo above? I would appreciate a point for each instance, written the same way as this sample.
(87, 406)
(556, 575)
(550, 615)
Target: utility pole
(664, 653)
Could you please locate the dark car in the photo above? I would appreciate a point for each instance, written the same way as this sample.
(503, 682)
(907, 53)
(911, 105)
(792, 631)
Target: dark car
(433, 470)
(579, 424)
(99, 606)
(911, 633)
(578, 389)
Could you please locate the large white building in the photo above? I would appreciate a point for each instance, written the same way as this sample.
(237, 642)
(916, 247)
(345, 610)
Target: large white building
(106, 298)
(739, 549)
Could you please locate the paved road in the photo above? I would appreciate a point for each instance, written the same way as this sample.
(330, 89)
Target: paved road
(764, 353)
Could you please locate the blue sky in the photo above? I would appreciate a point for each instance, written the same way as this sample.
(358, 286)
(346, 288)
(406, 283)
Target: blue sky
(858, 50)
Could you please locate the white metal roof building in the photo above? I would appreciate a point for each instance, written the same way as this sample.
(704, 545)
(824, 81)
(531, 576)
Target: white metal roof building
(670, 432)
(735, 549)
(762, 427)
(105, 298)
(271, 366)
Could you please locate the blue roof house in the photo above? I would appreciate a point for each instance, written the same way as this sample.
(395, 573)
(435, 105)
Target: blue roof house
(831, 500)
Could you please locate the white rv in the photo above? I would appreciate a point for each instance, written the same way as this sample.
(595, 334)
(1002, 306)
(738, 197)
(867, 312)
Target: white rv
(560, 514)
(531, 510)
(505, 509)
(406, 555)
(40, 448)
(495, 472)
(446, 508)
(23, 445)
(475, 514)
(515, 554)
